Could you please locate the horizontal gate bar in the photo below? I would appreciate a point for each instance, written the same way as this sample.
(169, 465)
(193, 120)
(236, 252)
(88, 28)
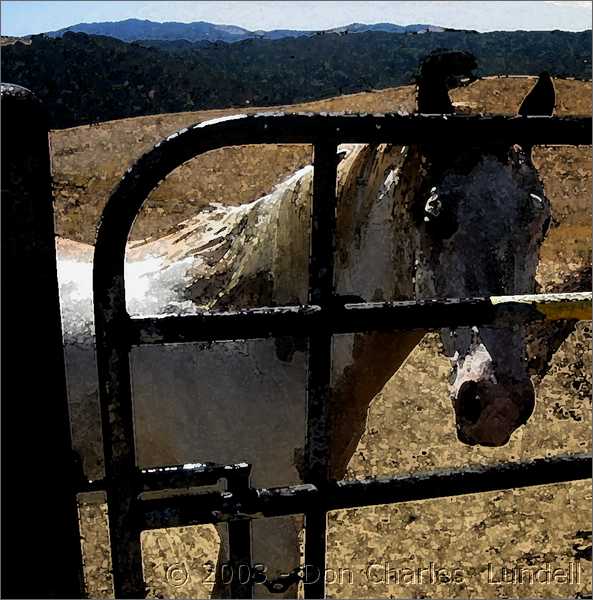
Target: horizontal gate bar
(207, 326)
(179, 477)
(305, 128)
(190, 475)
(194, 509)
(353, 318)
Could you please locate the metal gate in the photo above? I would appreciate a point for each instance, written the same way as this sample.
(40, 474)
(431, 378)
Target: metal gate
(130, 511)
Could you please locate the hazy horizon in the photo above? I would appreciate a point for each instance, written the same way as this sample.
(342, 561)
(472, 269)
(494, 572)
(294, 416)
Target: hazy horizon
(30, 17)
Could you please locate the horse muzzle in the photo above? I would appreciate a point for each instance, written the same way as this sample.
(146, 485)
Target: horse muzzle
(487, 413)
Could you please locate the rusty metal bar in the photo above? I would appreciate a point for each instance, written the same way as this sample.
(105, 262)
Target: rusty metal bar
(117, 415)
(40, 472)
(305, 128)
(501, 310)
(356, 318)
(209, 326)
(240, 540)
(159, 481)
(283, 501)
(321, 290)
(189, 475)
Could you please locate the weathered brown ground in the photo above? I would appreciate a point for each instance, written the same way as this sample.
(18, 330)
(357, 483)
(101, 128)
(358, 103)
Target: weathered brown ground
(410, 424)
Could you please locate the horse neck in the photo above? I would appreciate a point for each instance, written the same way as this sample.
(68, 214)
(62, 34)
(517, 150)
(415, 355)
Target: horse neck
(378, 237)
(250, 255)
(258, 254)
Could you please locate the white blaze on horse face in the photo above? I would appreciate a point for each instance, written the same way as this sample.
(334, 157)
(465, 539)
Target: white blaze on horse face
(489, 386)
(476, 365)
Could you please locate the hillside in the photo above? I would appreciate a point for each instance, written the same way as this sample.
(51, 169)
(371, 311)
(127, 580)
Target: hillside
(84, 79)
(131, 30)
(7, 40)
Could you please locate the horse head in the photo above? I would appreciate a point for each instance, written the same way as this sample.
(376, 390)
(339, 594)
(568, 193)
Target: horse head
(482, 215)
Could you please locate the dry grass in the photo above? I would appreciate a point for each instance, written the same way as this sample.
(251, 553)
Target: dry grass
(89, 160)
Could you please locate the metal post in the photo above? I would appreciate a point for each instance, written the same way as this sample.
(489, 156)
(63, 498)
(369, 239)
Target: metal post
(321, 283)
(240, 542)
(117, 416)
(41, 554)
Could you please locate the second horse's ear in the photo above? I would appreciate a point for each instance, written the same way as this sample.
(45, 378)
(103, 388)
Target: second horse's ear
(541, 100)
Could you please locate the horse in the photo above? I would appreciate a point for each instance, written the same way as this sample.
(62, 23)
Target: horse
(431, 221)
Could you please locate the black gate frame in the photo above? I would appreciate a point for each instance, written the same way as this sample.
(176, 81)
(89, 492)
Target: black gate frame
(130, 511)
(40, 472)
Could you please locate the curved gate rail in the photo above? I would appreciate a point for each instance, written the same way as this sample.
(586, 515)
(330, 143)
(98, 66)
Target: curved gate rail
(129, 511)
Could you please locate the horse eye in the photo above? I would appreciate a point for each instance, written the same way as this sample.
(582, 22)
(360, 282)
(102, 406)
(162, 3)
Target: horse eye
(517, 152)
(433, 206)
(439, 216)
(452, 375)
(537, 201)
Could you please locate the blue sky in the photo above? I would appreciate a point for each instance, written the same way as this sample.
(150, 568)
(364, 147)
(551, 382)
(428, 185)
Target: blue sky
(25, 17)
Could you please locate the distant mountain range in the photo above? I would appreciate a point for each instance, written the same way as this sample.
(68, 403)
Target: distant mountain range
(86, 78)
(132, 30)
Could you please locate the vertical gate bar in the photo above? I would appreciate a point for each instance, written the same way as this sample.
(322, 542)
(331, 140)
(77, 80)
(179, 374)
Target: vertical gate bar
(321, 283)
(117, 416)
(240, 544)
(40, 472)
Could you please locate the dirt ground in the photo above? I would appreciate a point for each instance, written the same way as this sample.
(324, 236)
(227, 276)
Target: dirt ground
(410, 425)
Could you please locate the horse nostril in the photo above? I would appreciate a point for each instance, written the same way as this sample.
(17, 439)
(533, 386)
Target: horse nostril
(464, 438)
(469, 402)
(488, 413)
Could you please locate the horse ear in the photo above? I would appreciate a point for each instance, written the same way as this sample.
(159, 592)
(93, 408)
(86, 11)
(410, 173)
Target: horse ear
(541, 100)
(441, 71)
